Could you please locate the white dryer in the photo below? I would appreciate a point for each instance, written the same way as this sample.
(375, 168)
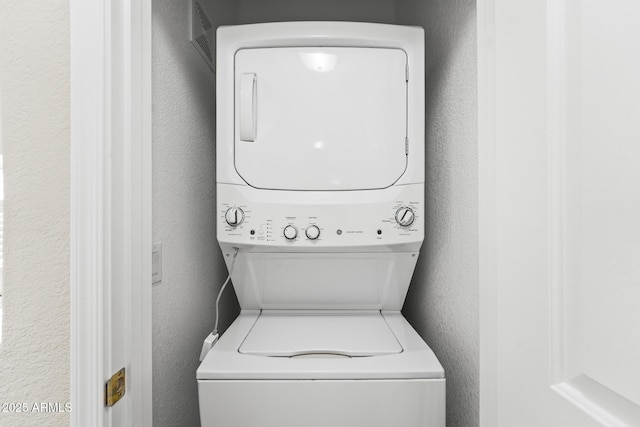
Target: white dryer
(320, 196)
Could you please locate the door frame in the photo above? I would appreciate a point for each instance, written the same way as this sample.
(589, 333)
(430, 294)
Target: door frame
(110, 54)
(92, 35)
(92, 30)
(486, 54)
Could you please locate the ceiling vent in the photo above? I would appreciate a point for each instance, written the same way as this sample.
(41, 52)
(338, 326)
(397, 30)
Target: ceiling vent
(202, 33)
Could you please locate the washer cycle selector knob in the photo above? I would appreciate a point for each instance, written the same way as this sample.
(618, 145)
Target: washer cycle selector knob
(234, 216)
(290, 232)
(405, 216)
(312, 232)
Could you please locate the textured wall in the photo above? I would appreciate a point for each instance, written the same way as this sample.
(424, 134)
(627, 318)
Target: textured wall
(34, 84)
(443, 300)
(183, 210)
(250, 11)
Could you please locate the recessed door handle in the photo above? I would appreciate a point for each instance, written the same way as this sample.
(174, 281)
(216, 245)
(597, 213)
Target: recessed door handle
(248, 106)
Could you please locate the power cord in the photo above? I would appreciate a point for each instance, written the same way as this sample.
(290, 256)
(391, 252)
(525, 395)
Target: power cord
(224, 285)
(212, 338)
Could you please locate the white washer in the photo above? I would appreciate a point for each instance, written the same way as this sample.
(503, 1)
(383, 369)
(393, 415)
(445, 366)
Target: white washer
(320, 188)
(278, 375)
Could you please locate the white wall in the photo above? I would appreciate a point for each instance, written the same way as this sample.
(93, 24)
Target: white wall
(34, 79)
(443, 303)
(250, 11)
(183, 91)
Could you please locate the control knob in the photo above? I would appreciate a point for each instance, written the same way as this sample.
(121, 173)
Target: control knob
(234, 216)
(290, 232)
(312, 232)
(405, 216)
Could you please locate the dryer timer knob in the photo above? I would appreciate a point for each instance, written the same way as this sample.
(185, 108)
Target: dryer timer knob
(234, 216)
(312, 232)
(405, 216)
(290, 232)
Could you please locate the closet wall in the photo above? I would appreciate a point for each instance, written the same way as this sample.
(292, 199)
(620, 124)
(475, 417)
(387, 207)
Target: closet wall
(443, 303)
(183, 131)
(251, 11)
(443, 298)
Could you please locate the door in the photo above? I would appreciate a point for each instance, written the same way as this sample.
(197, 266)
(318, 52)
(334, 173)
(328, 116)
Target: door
(320, 118)
(560, 213)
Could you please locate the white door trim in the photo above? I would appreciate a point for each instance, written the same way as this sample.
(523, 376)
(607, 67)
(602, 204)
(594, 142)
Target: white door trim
(104, 34)
(88, 69)
(487, 212)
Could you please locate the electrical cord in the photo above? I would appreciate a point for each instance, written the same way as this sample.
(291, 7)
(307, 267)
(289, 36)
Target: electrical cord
(211, 340)
(224, 285)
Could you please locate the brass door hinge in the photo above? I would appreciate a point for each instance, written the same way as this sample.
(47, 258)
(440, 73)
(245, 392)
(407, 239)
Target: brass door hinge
(115, 388)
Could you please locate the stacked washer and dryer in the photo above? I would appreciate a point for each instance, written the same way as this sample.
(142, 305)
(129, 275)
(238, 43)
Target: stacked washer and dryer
(320, 198)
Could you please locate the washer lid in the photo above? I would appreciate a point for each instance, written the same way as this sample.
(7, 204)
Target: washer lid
(320, 118)
(347, 335)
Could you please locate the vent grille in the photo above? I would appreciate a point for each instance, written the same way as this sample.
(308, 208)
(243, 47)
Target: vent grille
(203, 42)
(202, 33)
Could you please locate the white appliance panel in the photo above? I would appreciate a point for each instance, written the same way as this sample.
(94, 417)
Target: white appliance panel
(320, 118)
(225, 362)
(363, 221)
(319, 281)
(314, 334)
(318, 403)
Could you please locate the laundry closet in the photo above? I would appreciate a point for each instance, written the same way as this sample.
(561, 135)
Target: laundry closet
(442, 301)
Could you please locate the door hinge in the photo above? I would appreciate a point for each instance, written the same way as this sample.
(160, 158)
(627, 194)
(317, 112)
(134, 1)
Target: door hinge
(115, 388)
(406, 146)
(406, 73)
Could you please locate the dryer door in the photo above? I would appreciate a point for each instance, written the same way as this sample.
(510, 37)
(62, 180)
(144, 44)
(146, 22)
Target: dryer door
(320, 118)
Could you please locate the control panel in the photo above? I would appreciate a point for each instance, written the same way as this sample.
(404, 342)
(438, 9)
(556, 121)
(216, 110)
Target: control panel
(296, 224)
